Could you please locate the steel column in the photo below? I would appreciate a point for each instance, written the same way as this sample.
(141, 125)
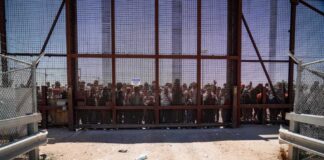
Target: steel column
(198, 61)
(292, 51)
(292, 151)
(72, 49)
(157, 65)
(234, 24)
(113, 62)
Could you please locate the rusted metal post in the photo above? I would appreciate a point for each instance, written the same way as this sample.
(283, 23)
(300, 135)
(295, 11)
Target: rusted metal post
(3, 40)
(198, 61)
(72, 49)
(292, 51)
(113, 62)
(157, 65)
(234, 24)
(239, 57)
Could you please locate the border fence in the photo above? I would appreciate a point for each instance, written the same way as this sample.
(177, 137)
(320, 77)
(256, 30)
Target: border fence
(19, 134)
(158, 63)
(306, 132)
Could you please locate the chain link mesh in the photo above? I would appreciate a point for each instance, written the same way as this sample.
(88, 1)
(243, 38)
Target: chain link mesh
(310, 98)
(16, 99)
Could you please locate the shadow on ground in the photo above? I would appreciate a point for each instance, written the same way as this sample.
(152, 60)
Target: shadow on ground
(246, 132)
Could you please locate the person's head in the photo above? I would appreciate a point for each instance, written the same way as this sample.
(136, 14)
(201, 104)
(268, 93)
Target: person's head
(95, 82)
(146, 85)
(184, 86)
(209, 90)
(176, 83)
(93, 91)
(144, 91)
(194, 85)
(109, 87)
(57, 84)
(165, 90)
(82, 85)
(128, 90)
(186, 94)
(136, 89)
(119, 86)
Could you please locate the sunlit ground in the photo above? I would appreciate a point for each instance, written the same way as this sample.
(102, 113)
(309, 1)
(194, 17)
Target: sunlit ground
(250, 142)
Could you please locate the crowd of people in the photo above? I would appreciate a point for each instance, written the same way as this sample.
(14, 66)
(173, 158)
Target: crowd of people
(177, 94)
(254, 95)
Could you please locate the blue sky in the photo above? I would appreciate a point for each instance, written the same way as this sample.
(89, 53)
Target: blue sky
(28, 22)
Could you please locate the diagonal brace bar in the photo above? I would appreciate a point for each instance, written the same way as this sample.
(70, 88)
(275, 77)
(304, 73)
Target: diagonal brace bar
(259, 55)
(311, 7)
(42, 52)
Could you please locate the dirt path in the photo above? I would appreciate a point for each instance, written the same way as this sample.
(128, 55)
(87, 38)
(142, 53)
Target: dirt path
(252, 142)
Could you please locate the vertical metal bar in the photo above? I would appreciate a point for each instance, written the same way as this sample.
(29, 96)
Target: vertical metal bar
(239, 57)
(3, 41)
(157, 65)
(198, 61)
(292, 51)
(233, 78)
(292, 151)
(33, 127)
(72, 48)
(113, 62)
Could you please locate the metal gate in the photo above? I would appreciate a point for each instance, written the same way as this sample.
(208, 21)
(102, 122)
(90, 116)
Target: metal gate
(19, 135)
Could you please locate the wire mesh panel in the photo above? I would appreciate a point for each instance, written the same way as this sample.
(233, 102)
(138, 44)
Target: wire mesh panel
(213, 86)
(134, 27)
(94, 90)
(16, 100)
(28, 23)
(94, 26)
(309, 38)
(178, 84)
(178, 27)
(214, 27)
(270, 29)
(310, 98)
(135, 87)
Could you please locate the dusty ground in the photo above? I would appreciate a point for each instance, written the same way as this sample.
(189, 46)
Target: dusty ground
(251, 142)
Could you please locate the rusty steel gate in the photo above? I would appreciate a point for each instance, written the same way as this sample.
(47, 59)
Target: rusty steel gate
(157, 63)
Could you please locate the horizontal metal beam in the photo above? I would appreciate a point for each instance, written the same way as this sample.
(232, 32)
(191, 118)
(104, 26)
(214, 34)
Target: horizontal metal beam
(22, 146)
(151, 107)
(265, 60)
(18, 121)
(37, 54)
(5, 56)
(311, 63)
(306, 118)
(302, 142)
(153, 56)
(271, 106)
(15, 70)
(163, 125)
